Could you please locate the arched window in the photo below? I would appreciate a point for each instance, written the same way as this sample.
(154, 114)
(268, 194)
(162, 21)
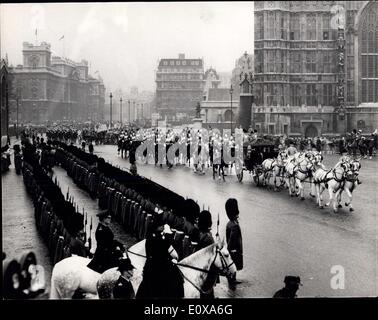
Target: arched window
(368, 53)
(227, 116)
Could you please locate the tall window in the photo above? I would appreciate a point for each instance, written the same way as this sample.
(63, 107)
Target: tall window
(294, 28)
(270, 26)
(327, 95)
(311, 62)
(295, 93)
(326, 26)
(327, 62)
(311, 27)
(311, 95)
(282, 24)
(259, 27)
(271, 61)
(296, 66)
(368, 35)
(270, 98)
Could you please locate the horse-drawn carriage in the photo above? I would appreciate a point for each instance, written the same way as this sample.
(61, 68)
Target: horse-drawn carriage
(254, 153)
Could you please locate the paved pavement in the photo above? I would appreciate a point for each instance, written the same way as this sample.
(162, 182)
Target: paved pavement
(286, 236)
(19, 232)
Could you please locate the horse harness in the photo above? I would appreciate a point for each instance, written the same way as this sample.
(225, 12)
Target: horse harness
(224, 267)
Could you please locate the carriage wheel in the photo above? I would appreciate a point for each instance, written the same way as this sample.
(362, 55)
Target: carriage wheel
(240, 176)
(256, 176)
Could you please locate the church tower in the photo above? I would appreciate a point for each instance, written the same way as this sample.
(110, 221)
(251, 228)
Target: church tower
(36, 56)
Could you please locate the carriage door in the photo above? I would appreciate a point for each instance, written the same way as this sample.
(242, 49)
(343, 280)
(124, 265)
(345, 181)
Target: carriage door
(311, 131)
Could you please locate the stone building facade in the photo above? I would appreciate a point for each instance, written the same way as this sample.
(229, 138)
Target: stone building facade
(4, 85)
(179, 87)
(53, 88)
(316, 67)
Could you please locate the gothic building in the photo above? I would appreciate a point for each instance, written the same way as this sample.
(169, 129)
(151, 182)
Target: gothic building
(53, 88)
(4, 84)
(316, 67)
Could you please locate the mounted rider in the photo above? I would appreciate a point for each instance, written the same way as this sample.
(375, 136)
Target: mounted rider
(108, 250)
(161, 277)
(291, 150)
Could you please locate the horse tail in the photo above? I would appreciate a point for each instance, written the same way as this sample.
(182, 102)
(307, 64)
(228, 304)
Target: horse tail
(54, 293)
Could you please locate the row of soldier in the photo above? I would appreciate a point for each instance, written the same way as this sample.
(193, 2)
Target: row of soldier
(57, 219)
(133, 204)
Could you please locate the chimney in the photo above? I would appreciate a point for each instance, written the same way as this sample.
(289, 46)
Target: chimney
(181, 56)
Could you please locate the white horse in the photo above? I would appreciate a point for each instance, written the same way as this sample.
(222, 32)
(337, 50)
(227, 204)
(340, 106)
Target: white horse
(350, 183)
(271, 169)
(72, 273)
(333, 180)
(195, 269)
(289, 174)
(302, 172)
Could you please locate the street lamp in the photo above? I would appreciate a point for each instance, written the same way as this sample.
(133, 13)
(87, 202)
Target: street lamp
(129, 112)
(111, 111)
(120, 110)
(231, 92)
(18, 97)
(134, 111)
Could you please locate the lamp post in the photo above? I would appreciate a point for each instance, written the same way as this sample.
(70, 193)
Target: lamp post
(134, 110)
(18, 100)
(129, 112)
(231, 92)
(111, 110)
(120, 110)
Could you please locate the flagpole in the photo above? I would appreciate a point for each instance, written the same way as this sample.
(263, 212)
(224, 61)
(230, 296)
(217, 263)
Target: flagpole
(36, 37)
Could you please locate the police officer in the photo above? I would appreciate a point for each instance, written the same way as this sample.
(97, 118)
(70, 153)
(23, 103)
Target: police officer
(123, 288)
(291, 287)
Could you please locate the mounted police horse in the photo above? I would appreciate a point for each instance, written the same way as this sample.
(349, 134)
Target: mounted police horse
(201, 267)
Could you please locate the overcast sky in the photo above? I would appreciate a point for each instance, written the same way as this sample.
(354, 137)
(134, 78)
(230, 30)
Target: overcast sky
(124, 41)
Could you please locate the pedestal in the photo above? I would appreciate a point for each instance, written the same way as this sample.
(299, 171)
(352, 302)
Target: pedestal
(197, 123)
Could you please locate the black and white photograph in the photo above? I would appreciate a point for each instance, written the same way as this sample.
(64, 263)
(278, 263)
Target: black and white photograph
(189, 150)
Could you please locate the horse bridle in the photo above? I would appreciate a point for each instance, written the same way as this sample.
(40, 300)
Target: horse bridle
(224, 267)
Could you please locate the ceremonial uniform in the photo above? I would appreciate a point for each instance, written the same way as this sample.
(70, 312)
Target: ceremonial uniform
(234, 243)
(205, 239)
